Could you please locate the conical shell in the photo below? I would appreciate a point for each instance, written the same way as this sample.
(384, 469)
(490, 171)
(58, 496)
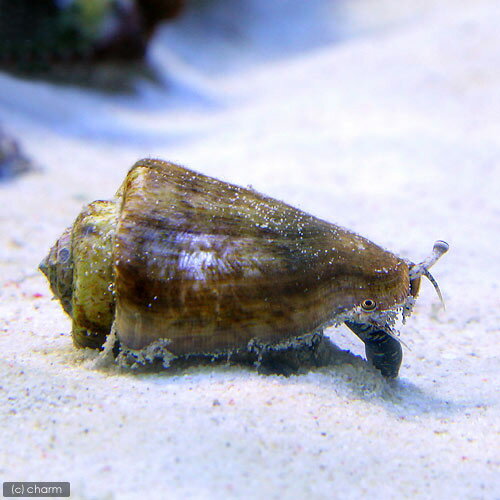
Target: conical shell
(210, 266)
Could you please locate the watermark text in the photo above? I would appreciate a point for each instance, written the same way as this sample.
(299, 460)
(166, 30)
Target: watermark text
(35, 490)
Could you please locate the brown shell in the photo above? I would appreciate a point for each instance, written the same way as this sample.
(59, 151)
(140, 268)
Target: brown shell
(210, 266)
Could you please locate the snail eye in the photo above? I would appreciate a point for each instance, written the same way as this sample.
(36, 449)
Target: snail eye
(368, 305)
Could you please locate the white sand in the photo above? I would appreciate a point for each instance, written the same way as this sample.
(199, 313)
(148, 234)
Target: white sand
(378, 116)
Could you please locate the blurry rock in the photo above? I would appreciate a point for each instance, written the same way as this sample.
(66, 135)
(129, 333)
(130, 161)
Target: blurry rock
(67, 39)
(12, 160)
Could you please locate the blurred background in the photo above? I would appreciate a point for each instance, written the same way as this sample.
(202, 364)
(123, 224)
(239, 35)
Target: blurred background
(152, 74)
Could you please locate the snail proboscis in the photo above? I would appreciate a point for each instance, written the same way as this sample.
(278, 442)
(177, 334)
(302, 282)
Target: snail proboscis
(181, 264)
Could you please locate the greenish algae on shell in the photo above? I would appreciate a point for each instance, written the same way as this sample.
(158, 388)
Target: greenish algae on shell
(204, 266)
(80, 269)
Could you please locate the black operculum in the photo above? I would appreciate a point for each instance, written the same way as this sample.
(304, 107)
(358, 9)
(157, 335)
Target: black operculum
(382, 350)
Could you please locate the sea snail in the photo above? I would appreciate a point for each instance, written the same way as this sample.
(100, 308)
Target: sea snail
(181, 264)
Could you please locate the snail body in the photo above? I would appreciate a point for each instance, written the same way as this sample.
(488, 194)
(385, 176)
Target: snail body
(199, 266)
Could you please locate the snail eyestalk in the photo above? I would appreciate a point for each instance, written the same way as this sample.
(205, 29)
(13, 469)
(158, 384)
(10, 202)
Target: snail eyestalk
(422, 269)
